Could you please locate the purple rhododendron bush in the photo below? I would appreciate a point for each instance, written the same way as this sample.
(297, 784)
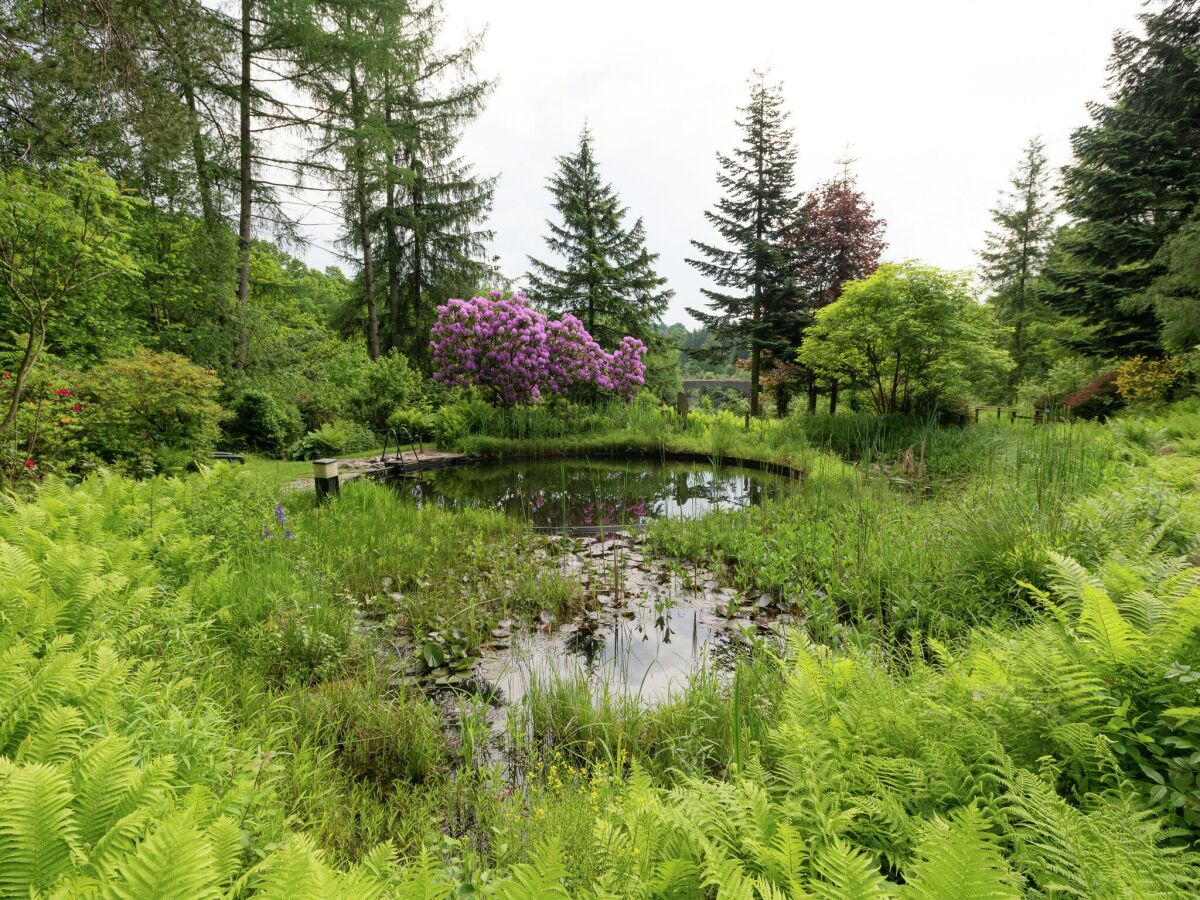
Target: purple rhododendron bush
(518, 355)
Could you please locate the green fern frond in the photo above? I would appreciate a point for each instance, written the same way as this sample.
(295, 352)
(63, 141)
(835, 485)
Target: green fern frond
(847, 874)
(960, 858)
(174, 863)
(542, 876)
(37, 828)
(1101, 621)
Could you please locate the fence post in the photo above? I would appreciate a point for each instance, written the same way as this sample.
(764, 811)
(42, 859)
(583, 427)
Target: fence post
(977, 415)
(325, 478)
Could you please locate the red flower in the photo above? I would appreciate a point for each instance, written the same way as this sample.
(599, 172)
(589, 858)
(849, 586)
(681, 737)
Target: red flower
(63, 392)
(30, 464)
(77, 407)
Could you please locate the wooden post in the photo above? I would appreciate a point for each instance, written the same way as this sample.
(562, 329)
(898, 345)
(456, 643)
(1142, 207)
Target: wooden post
(325, 477)
(977, 415)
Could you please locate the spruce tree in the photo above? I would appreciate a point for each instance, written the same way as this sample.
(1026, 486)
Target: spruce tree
(1013, 257)
(431, 222)
(607, 279)
(1133, 184)
(756, 299)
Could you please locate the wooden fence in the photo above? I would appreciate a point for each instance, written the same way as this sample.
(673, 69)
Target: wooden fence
(1037, 417)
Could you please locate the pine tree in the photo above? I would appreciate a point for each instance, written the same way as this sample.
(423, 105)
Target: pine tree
(756, 304)
(1133, 184)
(607, 279)
(431, 222)
(1013, 257)
(838, 239)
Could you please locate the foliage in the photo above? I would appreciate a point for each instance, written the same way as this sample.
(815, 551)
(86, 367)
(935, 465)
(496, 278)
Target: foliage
(518, 355)
(1174, 295)
(1131, 186)
(335, 438)
(63, 256)
(755, 298)
(1013, 257)
(1141, 380)
(390, 382)
(260, 422)
(608, 280)
(838, 239)
(907, 332)
(152, 407)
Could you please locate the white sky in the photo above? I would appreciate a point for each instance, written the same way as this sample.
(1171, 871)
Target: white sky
(935, 99)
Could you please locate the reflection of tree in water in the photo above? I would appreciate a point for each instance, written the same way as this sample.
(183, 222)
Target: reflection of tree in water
(579, 492)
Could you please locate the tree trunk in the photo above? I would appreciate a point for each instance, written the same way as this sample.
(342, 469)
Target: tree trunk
(364, 229)
(203, 176)
(783, 397)
(755, 378)
(33, 346)
(833, 396)
(418, 258)
(390, 238)
(812, 393)
(245, 187)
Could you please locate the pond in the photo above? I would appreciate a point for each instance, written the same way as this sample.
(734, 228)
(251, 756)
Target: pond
(650, 625)
(590, 494)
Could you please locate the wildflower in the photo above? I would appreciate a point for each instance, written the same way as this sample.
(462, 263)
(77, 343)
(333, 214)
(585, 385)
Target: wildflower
(30, 464)
(287, 534)
(266, 533)
(63, 392)
(279, 516)
(78, 407)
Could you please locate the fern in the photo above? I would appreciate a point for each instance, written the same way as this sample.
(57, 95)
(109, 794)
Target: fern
(542, 876)
(175, 862)
(847, 874)
(960, 858)
(37, 827)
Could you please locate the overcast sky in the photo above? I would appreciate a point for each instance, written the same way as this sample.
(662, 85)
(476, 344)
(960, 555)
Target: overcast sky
(934, 98)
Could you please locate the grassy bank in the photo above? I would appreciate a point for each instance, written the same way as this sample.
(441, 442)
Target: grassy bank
(993, 691)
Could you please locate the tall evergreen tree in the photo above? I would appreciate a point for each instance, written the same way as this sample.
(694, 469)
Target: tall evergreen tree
(839, 239)
(757, 296)
(1013, 256)
(1133, 184)
(607, 279)
(431, 224)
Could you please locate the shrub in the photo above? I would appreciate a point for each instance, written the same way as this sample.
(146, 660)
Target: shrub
(155, 409)
(390, 382)
(412, 423)
(1142, 380)
(261, 422)
(334, 439)
(519, 356)
(1097, 399)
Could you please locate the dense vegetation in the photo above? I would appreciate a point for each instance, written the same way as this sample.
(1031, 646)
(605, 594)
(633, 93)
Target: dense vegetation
(213, 685)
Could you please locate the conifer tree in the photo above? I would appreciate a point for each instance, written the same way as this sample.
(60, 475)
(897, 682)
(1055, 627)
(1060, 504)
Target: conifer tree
(431, 221)
(1133, 184)
(1013, 257)
(607, 279)
(755, 302)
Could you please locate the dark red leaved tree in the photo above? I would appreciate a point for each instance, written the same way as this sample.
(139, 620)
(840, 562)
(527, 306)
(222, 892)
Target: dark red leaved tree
(838, 239)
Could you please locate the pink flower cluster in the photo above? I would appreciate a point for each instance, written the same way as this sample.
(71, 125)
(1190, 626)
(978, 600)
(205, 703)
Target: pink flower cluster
(520, 356)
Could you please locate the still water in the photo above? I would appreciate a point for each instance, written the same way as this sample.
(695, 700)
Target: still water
(582, 494)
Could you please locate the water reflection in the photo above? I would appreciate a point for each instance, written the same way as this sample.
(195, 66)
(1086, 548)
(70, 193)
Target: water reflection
(645, 640)
(585, 493)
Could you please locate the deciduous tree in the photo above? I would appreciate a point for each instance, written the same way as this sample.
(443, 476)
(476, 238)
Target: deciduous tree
(908, 333)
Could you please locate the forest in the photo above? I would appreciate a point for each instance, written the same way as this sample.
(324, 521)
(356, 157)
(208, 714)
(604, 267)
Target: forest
(906, 603)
